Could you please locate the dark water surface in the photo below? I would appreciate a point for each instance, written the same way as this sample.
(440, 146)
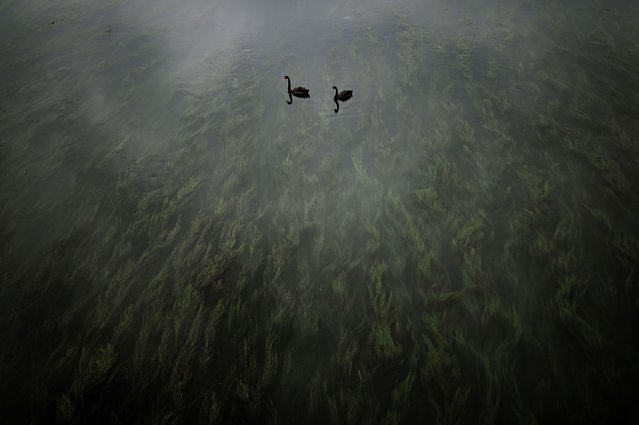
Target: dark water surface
(458, 244)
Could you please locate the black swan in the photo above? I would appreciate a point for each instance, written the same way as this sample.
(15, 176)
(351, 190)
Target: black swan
(297, 91)
(342, 96)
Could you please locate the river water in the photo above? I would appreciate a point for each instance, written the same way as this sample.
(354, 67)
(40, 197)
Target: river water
(456, 243)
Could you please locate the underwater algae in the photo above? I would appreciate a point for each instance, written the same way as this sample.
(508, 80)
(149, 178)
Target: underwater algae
(457, 245)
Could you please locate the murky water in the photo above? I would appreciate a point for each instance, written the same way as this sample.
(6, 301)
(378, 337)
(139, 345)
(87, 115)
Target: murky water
(458, 241)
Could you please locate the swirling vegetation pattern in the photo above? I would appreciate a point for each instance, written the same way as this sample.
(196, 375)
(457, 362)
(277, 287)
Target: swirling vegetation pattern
(458, 245)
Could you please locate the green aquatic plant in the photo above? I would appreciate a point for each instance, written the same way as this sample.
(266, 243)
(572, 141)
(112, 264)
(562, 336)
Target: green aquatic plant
(385, 346)
(93, 368)
(66, 409)
(473, 232)
(611, 173)
(456, 246)
(627, 248)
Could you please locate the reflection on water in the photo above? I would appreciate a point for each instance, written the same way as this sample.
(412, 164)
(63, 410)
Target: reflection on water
(459, 242)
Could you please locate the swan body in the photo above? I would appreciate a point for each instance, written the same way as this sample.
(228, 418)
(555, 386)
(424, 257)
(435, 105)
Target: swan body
(297, 91)
(342, 96)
